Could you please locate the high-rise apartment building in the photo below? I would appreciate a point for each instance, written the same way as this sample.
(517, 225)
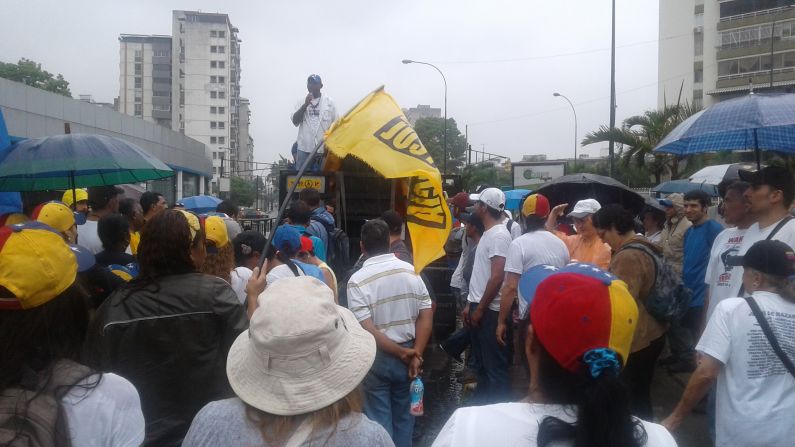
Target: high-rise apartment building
(719, 49)
(244, 153)
(421, 111)
(145, 77)
(190, 82)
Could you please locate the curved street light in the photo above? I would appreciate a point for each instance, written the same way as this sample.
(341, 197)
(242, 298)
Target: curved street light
(575, 125)
(444, 144)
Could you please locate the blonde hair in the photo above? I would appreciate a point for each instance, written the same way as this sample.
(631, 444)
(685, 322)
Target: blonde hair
(220, 264)
(276, 429)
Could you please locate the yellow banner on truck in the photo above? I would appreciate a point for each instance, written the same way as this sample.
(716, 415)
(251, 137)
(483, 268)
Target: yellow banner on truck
(377, 132)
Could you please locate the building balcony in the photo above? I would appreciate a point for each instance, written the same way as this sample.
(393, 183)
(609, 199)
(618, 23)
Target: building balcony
(161, 60)
(756, 17)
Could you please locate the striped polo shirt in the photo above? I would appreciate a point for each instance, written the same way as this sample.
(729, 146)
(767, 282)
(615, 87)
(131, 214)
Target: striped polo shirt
(388, 291)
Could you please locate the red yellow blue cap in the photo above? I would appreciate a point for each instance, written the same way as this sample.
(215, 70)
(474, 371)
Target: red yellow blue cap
(580, 310)
(535, 205)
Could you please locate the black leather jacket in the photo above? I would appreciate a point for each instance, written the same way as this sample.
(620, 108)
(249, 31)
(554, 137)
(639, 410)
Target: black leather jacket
(169, 339)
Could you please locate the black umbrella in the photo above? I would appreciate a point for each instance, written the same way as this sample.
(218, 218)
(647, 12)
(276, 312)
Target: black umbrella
(573, 188)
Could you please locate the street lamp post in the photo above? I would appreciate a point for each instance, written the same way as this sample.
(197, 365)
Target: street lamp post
(444, 144)
(575, 125)
(611, 146)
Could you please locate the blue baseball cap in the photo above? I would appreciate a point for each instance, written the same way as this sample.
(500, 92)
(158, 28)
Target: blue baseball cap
(287, 239)
(313, 79)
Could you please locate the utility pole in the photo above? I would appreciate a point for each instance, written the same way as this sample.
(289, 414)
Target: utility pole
(611, 147)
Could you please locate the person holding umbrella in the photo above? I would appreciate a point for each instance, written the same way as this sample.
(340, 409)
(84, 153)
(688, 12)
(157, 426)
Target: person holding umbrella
(585, 246)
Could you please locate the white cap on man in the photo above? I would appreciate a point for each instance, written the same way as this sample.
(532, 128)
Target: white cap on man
(493, 198)
(584, 208)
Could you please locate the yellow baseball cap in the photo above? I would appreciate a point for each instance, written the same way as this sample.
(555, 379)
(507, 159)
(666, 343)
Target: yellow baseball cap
(55, 214)
(215, 231)
(193, 223)
(81, 195)
(36, 265)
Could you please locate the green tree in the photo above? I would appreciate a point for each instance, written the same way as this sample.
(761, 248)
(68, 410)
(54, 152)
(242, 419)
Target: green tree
(638, 136)
(30, 73)
(242, 191)
(431, 133)
(485, 173)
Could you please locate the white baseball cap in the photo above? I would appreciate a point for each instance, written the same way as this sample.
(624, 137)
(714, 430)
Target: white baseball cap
(584, 208)
(301, 353)
(494, 198)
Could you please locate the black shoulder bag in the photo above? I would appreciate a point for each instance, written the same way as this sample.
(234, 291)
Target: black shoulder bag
(771, 338)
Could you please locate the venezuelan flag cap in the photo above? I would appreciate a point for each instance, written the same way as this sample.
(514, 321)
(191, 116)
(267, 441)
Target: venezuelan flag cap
(535, 205)
(36, 265)
(580, 308)
(55, 214)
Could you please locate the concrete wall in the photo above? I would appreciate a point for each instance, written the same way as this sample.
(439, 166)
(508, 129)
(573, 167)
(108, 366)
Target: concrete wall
(30, 112)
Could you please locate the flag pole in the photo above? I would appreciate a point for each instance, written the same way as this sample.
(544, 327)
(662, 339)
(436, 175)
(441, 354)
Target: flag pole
(283, 205)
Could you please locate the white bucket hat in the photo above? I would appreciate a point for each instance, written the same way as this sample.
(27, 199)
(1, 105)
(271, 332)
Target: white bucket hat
(301, 353)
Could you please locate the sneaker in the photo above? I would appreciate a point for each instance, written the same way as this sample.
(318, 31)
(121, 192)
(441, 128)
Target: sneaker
(456, 359)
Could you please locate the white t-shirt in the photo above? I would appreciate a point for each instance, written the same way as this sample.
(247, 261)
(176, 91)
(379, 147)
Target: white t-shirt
(535, 248)
(755, 234)
(88, 237)
(719, 275)
(106, 415)
(755, 393)
(240, 277)
(317, 119)
(494, 242)
(516, 424)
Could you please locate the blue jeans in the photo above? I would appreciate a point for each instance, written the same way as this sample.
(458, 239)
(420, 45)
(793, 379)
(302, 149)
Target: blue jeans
(494, 381)
(386, 397)
(301, 156)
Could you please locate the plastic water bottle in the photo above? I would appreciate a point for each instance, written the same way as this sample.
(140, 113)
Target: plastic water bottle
(417, 389)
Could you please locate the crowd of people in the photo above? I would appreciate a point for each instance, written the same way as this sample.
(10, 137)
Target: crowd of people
(126, 322)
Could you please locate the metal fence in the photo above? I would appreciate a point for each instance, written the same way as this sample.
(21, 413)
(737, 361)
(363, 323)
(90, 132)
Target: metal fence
(262, 225)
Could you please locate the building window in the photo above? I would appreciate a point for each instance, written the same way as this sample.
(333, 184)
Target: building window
(139, 110)
(222, 110)
(221, 49)
(213, 95)
(161, 53)
(139, 69)
(221, 140)
(213, 49)
(162, 107)
(212, 64)
(698, 76)
(139, 55)
(213, 33)
(213, 109)
(213, 124)
(221, 79)
(221, 95)
(221, 64)
(138, 82)
(221, 125)
(213, 79)
(221, 33)
(212, 141)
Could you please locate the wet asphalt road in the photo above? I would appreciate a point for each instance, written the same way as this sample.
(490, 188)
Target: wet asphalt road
(443, 395)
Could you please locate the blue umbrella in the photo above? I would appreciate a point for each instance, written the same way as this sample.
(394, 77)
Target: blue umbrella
(684, 186)
(201, 204)
(762, 122)
(514, 198)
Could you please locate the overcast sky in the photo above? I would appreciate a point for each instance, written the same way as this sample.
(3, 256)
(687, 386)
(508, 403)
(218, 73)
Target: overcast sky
(503, 59)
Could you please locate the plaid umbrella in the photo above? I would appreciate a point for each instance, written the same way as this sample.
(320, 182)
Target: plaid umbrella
(762, 122)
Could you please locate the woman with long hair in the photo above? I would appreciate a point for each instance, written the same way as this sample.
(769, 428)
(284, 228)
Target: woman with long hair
(169, 329)
(296, 376)
(747, 348)
(220, 255)
(582, 320)
(46, 395)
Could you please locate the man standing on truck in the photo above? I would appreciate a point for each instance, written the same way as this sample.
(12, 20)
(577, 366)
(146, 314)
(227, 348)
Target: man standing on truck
(313, 117)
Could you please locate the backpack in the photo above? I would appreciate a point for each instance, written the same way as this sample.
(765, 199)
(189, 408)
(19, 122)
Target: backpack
(668, 299)
(339, 251)
(33, 416)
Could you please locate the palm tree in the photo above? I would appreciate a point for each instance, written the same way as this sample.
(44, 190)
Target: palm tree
(639, 135)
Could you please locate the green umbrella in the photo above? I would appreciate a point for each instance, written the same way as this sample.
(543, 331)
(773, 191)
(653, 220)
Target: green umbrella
(76, 161)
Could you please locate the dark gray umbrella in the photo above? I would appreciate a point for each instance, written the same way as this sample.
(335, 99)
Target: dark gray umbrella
(575, 187)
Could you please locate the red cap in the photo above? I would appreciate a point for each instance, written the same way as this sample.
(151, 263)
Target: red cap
(461, 200)
(306, 244)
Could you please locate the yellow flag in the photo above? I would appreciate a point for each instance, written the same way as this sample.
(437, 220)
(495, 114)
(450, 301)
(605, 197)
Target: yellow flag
(377, 132)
